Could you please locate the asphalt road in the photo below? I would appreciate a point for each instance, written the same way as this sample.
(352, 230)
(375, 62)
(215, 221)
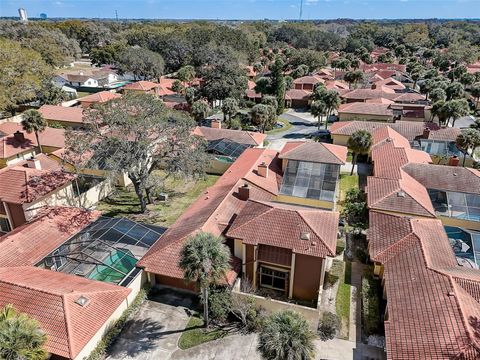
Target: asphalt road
(300, 129)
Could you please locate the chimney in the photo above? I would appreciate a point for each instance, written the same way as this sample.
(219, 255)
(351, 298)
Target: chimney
(453, 161)
(19, 136)
(263, 169)
(216, 124)
(244, 192)
(33, 163)
(426, 133)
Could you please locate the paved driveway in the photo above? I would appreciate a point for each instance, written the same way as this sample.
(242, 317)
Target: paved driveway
(154, 331)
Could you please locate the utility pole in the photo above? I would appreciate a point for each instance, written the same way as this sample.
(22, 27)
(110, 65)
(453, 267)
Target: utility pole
(116, 15)
(301, 10)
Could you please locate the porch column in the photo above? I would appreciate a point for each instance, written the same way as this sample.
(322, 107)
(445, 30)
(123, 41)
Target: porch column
(255, 266)
(244, 259)
(292, 275)
(322, 277)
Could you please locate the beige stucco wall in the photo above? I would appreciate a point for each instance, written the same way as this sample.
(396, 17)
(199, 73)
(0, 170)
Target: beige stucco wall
(344, 116)
(17, 158)
(340, 139)
(473, 225)
(306, 202)
(62, 196)
(95, 194)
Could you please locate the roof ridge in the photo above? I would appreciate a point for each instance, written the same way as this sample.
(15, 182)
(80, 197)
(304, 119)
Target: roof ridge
(315, 232)
(399, 241)
(30, 287)
(67, 327)
(271, 208)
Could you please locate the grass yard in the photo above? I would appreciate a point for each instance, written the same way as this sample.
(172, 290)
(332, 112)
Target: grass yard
(286, 126)
(195, 334)
(347, 182)
(342, 304)
(81, 94)
(181, 194)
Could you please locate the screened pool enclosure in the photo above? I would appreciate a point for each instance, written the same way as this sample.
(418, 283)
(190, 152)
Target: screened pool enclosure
(456, 204)
(106, 250)
(310, 180)
(465, 244)
(226, 147)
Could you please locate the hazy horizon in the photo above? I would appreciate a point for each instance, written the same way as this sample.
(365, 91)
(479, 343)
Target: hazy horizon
(247, 9)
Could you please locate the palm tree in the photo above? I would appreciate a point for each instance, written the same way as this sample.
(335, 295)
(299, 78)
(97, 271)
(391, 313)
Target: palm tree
(200, 110)
(261, 115)
(330, 98)
(359, 143)
(20, 336)
(353, 77)
(33, 121)
(204, 260)
(286, 335)
(318, 109)
(229, 108)
(455, 109)
(468, 141)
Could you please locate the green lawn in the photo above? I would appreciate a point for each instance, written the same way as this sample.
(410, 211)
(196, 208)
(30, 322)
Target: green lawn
(286, 126)
(342, 304)
(195, 334)
(82, 94)
(346, 182)
(182, 194)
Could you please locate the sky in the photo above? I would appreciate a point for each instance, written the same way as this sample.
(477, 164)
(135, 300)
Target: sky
(246, 9)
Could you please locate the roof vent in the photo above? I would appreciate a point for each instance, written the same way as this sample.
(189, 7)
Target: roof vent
(451, 293)
(305, 235)
(82, 301)
(455, 174)
(314, 243)
(401, 194)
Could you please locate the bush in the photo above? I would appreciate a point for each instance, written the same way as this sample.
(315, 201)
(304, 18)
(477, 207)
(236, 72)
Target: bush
(340, 246)
(371, 299)
(235, 124)
(362, 255)
(219, 303)
(328, 326)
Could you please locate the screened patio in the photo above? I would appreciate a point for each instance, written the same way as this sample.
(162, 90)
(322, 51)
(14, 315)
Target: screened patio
(456, 204)
(106, 250)
(465, 244)
(226, 147)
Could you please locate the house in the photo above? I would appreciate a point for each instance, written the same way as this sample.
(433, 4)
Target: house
(432, 302)
(365, 111)
(284, 247)
(91, 79)
(325, 74)
(67, 117)
(307, 82)
(97, 98)
(227, 145)
(148, 87)
(389, 83)
(251, 186)
(48, 271)
(296, 98)
(17, 145)
(27, 189)
(362, 95)
(310, 173)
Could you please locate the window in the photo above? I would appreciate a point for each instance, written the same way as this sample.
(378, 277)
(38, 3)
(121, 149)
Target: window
(273, 279)
(4, 225)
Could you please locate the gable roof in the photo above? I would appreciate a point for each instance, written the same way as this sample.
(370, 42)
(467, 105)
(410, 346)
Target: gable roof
(51, 137)
(281, 225)
(31, 242)
(142, 85)
(62, 113)
(309, 79)
(19, 184)
(51, 298)
(389, 83)
(311, 151)
(213, 210)
(238, 136)
(100, 97)
(361, 108)
(386, 93)
(297, 94)
(404, 195)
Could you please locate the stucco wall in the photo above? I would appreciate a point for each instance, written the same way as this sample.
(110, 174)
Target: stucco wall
(307, 276)
(306, 202)
(340, 139)
(63, 196)
(473, 225)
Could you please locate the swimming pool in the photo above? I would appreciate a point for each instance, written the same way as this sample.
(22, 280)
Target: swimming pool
(465, 245)
(117, 265)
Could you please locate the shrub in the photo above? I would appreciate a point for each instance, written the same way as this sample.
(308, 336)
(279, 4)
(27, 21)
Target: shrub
(235, 124)
(328, 326)
(220, 303)
(340, 246)
(335, 272)
(371, 298)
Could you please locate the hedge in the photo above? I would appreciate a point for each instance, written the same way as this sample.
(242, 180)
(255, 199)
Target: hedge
(371, 304)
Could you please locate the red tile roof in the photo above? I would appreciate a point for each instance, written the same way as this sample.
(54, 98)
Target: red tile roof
(389, 83)
(51, 298)
(62, 113)
(404, 195)
(100, 97)
(31, 242)
(142, 85)
(296, 94)
(9, 146)
(432, 306)
(365, 94)
(239, 136)
(310, 79)
(19, 185)
(361, 108)
(213, 210)
(311, 151)
(282, 226)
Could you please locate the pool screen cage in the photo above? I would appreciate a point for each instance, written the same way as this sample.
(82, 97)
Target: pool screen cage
(106, 250)
(227, 147)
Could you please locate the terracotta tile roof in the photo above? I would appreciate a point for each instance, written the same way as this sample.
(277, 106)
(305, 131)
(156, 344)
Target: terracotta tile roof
(51, 137)
(238, 136)
(251, 94)
(383, 66)
(31, 242)
(432, 303)
(408, 129)
(386, 134)
(389, 83)
(100, 97)
(296, 94)
(214, 209)
(310, 79)
(62, 113)
(46, 163)
(404, 195)
(447, 178)
(251, 85)
(311, 151)
(19, 185)
(336, 84)
(379, 101)
(365, 94)
(142, 86)
(279, 225)
(366, 109)
(447, 134)
(51, 298)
